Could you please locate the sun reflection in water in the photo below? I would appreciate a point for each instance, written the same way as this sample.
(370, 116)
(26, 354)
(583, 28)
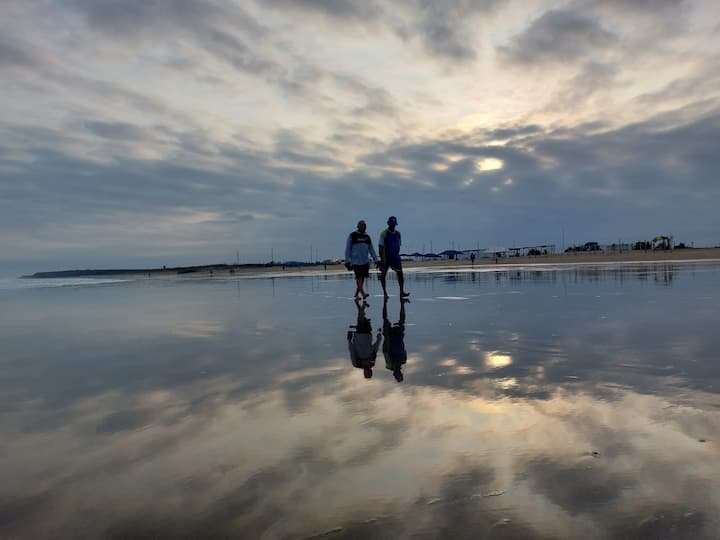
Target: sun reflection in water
(495, 360)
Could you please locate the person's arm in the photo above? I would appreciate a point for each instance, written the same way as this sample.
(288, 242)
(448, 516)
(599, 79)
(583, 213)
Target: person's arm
(381, 246)
(348, 251)
(376, 345)
(372, 252)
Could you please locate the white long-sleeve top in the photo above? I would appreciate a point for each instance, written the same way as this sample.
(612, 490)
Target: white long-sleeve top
(362, 348)
(359, 248)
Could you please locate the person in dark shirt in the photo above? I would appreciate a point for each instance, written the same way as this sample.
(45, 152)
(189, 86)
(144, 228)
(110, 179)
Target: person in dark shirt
(394, 342)
(389, 245)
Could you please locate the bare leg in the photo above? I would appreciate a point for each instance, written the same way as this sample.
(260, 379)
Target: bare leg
(358, 286)
(362, 289)
(383, 276)
(401, 282)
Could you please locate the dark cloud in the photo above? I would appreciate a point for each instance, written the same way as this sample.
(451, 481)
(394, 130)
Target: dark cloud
(220, 29)
(138, 17)
(377, 100)
(116, 130)
(14, 54)
(642, 173)
(644, 6)
(594, 79)
(295, 152)
(342, 9)
(558, 36)
(446, 30)
(513, 132)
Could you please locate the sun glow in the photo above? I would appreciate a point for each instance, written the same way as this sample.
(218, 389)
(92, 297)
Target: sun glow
(488, 164)
(495, 360)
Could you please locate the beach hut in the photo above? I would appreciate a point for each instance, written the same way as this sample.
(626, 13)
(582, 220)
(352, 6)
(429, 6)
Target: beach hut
(450, 254)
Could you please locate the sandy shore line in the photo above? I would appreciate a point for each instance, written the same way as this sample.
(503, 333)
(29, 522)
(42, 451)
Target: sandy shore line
(700, 254)
(584, 258)
(598, 257)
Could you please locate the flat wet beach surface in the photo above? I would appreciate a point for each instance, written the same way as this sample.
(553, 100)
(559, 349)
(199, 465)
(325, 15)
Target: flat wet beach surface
(554, 402)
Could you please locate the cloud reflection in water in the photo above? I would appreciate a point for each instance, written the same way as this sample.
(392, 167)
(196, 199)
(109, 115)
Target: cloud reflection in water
(280, 438)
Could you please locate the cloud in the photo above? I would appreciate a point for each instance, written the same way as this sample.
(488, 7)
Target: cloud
(116, 130)
(13, 54)
(341, 9)
(558, 36)
(293, 109)
(592, 81)
(634, 169)
(651, 7)
(444, 29)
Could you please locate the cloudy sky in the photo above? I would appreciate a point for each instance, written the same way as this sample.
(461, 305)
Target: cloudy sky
(143, 132)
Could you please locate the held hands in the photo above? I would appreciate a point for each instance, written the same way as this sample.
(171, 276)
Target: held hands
(348, 266)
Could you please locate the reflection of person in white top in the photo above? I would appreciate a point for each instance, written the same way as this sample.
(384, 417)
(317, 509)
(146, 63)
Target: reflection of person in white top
(360, 342)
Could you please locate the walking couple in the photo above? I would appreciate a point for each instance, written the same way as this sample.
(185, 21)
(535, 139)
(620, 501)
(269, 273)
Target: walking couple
(359, 249)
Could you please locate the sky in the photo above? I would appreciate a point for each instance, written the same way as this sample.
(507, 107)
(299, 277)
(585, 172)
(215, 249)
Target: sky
(150, 132)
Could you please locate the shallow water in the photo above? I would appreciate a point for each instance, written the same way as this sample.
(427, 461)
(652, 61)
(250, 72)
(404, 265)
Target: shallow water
(563, 402)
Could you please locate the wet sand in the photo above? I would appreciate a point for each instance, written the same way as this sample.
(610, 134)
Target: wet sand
(576, 401)
(598, 257)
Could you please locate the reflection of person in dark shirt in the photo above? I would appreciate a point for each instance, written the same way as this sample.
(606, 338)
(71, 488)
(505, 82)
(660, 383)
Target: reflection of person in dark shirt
(360, 342)
(394, 342)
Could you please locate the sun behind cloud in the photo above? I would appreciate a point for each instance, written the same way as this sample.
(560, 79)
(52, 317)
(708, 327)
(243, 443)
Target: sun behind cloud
(488, 164)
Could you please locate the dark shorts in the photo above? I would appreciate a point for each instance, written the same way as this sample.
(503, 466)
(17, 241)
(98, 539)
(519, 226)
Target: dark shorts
(395, 265)
(361, 270)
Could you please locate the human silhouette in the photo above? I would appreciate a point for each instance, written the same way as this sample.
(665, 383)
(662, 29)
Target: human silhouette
(360, 342)
(394, 342)
(389, 245)
(358, 250)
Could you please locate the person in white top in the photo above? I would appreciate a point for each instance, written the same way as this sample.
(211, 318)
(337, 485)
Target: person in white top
(358, 250)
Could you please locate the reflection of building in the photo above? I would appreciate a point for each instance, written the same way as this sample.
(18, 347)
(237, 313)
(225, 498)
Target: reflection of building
(662, 272)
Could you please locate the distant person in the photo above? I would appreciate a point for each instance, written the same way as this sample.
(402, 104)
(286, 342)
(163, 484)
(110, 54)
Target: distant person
(394, 342)
(472, 259)
(358, 250)
(389, 246)
(363, 351)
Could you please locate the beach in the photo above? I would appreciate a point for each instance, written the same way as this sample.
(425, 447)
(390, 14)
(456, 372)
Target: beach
(596, 257)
